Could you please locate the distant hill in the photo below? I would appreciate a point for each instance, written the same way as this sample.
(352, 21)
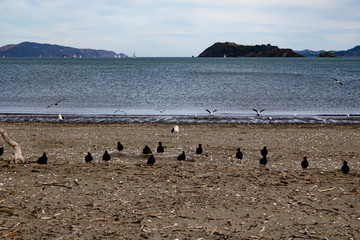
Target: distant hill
(236, 50)
(353, 52)
(31, 49)
(327, 55)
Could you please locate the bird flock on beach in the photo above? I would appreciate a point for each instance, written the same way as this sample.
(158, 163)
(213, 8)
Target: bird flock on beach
(146, 152)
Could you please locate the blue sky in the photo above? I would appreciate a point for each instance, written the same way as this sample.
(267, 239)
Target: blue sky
(181, 27)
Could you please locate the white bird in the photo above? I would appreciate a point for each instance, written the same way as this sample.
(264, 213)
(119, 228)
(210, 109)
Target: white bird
(175, 129)
(161, 110)
(337, 81)
(120, 110)
(61, 119)
(295, 115)
(258, 112)
(210, 112)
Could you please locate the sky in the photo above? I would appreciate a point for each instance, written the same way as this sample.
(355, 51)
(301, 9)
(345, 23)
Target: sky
(181, 28)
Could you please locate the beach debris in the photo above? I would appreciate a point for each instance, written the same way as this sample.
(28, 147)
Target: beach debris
(56, 103)
(43, 159)
(305, 163)
(160, 148)
(88, 158)
(239, 154)
(106, 156)
(146, 150)
(151, 160)
(18, 158)
(199, 149)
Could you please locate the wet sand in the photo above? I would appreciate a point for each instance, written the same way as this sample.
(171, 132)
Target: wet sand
(212, 196)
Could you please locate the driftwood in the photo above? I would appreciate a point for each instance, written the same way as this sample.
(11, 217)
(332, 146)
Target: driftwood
(18, 156)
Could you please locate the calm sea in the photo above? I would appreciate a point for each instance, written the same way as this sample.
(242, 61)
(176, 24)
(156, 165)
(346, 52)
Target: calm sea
(93, 89)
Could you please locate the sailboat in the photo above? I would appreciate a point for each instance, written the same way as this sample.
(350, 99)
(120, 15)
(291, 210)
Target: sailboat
(134, 56)
(224, 56)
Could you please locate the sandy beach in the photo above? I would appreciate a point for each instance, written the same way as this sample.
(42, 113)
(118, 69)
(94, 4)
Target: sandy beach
(210, 196)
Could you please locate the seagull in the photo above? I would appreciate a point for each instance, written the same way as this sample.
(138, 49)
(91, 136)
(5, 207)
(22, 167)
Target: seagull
(211, 112)
(199, 149)
(151, 160)
(345, 168)
(43, 159)
(106, 157)
(239, 154)
(61, 118)
(264, 151)
(181, 157)
(146, 150)
(160, 148)
(337, 81)
(56, 103)
(305, 163)
(161, 110)
(120, 110)
(175, 129)
(258, 112)
(88, 158)
(119, 147)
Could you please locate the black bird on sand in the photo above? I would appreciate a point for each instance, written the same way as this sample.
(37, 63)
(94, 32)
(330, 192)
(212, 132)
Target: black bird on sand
(345, 168)
(43, 159)
(263, 161)
(88, 158)
(305, 163)
(160, 148)
(264, 152)
(181, 157)
(239, 154)
(146, 150)
(119, 147)
(1, 150)
(151, 160)
(106, 157)
(199, 149)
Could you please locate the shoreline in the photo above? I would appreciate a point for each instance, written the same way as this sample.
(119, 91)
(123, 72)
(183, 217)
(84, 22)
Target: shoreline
(213, 196)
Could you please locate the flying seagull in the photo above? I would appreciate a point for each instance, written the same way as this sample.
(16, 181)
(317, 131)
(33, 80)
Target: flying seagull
(210, 112)
(161, 110)
(337, 81)
(120, 110)
(258, 112)
(55, 104)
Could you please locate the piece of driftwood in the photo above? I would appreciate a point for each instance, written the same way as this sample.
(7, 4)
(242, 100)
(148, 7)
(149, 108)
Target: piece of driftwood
(18, 156)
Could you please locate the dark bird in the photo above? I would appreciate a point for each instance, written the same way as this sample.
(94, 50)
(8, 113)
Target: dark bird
(199, 149)
(106, 157)
(151, 160)
(263, 161)
(337, 81)
(345, 168)
(43, 159)
(120, 110)
(1, 150)
(146, 150)
(211, 112)
(305, 163)
(258, 112)
(119, 147)
(175, 129)
(55, 104)
(264, 151)
(181, 157)
(160, 148)
(88, 158)
(239, 154)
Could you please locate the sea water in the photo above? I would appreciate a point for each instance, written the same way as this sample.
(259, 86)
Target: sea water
(94, 89)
